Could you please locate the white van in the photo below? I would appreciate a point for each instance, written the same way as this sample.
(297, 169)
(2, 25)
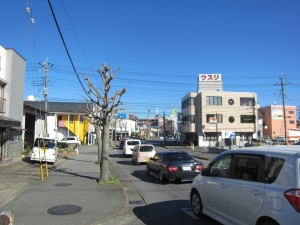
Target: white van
(129, 145)
(45, 150)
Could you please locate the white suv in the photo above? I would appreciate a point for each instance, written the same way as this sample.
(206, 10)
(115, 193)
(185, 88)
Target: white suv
(129, 145)
(251, 186)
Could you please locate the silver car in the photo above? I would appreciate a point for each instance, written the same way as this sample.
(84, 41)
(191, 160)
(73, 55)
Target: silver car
(251, 186)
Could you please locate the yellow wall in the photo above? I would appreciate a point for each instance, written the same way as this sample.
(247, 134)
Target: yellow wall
(79, 129)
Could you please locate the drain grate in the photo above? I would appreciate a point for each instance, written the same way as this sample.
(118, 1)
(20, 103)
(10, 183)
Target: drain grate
(64, 209)
(136, 202)
(63, 184)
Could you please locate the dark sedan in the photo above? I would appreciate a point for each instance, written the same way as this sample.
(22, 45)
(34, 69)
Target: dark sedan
(173, 165)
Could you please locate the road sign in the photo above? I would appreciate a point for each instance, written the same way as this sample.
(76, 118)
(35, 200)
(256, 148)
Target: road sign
(121, 115)
(228, 134)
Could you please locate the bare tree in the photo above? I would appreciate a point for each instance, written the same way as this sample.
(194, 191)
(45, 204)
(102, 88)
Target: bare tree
(106, 105)
(92, 115)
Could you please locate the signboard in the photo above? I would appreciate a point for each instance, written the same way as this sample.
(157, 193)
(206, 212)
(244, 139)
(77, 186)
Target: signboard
(210, 77)
(121, 115)
(212, 120)
(174, 112)
(228, 134)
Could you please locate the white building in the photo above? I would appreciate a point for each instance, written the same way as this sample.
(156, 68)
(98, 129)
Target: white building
(12, 76)
(212, 116)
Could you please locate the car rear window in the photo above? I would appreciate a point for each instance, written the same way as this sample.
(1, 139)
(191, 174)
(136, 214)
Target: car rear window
(133, 142)
(273, 167)
(178, 157)
(48, 143)
(146, 148)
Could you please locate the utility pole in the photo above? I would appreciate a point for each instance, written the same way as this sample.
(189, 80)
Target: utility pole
(282, 83)
(45, 66)
(148, 123)
(164, 126)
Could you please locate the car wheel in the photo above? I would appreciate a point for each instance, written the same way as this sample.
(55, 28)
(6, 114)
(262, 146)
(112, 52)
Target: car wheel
(160, 176)
(196, 204)
(269, 222)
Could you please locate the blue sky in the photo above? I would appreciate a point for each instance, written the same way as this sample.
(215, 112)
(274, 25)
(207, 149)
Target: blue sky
(160, 45)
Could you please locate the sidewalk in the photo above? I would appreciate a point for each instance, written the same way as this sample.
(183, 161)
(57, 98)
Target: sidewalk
(71, 191)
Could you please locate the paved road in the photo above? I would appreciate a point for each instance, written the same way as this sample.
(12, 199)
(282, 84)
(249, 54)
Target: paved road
(165, 203)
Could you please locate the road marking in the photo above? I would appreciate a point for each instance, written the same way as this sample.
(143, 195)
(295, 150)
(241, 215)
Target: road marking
(190, 213)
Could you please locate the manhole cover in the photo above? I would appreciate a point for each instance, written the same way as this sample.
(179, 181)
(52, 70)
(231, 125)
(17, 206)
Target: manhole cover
(136, 202)
(63, 184)
(64, 209)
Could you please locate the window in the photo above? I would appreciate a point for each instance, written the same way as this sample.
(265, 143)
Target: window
(263, 113)
(148, 148)
(292, 122)
(246, 167)
(188, 102)
(218, 116)
(213, 100)
(247, 118)
(247, 101)
(291, 112)
(231, 119)
(220, 168)
(272, 168)
(71, 118)
(231, 101)
(178, 157)
(188, 119)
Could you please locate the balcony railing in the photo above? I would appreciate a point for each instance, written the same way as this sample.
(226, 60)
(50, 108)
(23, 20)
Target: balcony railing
(2, 105)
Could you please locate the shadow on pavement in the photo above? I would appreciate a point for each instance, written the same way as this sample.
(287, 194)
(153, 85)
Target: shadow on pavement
(143, 176)
(170, 212)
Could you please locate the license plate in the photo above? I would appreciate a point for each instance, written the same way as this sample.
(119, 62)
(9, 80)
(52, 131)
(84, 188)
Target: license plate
(186, 168)
(146, 159)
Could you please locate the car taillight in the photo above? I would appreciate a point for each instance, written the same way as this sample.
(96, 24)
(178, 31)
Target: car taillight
(199, 167)
(293, 196)
(173, 169)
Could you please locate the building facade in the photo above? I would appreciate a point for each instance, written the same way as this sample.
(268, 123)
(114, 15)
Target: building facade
(12, 77)
(274, 124)
(214, 117)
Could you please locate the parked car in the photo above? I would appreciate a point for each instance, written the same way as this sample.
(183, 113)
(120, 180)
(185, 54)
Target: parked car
(45, 150)
(129, 145)
(142, 153)
(71, 140)
(173, 165)
(259, 142)
(250, 186)
(143, 141)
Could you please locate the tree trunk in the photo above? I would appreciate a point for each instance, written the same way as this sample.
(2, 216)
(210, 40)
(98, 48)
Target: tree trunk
(104, 175)
(99, 141)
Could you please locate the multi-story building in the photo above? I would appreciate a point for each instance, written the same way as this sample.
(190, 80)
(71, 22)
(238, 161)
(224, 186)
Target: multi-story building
(12, 76)
(273, 118)
(212, 116)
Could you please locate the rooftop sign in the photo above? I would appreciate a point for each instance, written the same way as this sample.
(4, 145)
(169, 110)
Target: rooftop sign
(210, 77)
